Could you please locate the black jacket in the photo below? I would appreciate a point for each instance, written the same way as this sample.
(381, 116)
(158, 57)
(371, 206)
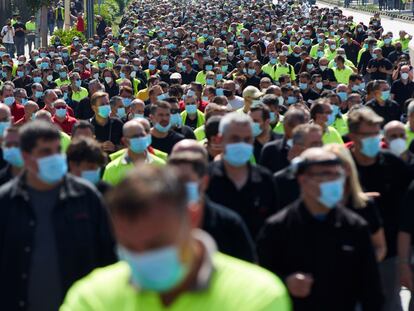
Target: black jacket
(83, 236)
(337, 252)
(229, 231)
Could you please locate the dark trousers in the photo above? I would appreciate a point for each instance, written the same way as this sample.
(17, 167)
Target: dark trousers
(19, 43)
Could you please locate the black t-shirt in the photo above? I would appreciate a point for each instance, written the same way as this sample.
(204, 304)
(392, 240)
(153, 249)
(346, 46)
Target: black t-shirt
(257, 146)
(401, 91)
(389, 111)
(377, 63)
(390, 177)
(187, 78)
(191, 123)
(167, 143)
(370, 213)
(186, 131)
(19, 33)
(111, 131)
(310, 95)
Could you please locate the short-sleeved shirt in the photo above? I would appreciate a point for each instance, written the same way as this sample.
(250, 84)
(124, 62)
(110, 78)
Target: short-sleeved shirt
(377, 63)
(112, 130)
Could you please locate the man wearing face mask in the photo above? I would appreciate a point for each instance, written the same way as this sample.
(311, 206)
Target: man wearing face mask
(11, 154)
(39, 204)
(235, 102)
(381, 172)
(173, 265)
(379, 67)
(304, 136)
(86, 160)
(381, 102)
(274, 155)
(61, 118)
(395, 137)
(176, 120)
(262, 132)
(163, 138)
(108, 131)
(137, 142)
(319, 271)
(225, 226)
(234, 182)
(192, 116)
(403, 88)
(305, 87)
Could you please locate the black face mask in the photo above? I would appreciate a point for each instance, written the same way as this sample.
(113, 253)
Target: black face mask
(227, 93)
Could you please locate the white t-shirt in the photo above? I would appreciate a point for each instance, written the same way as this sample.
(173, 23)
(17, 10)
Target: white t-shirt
(7, 34)
(236, 103)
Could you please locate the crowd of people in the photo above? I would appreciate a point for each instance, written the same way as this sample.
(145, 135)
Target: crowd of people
(210, 155)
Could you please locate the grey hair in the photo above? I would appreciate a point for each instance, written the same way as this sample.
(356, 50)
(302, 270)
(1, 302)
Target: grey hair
(410, 108)
(233, 117)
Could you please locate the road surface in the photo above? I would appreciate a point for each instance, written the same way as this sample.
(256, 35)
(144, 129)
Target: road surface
(387, 23)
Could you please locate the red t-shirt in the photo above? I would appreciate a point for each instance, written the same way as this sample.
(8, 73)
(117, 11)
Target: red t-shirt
(17, 111)
(66, 125)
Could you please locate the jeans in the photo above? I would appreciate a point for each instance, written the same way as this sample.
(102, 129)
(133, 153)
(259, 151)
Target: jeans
(59, 24)
(19, 43)
(9, 49)
(390, 282)
(30, 41)
(51, 28)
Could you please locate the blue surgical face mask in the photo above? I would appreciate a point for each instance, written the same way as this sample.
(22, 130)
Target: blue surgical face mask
(291, 100)
(61, 112)
(193, 193)
(219, 76)
(9, 100)
(120, 112)
(162, 96)
(63, 74)
(162, 129)
(256, 129)
(122, 75)
(3, 126)
(78, 83)
(13, 155)
(237, 154)
(157, 270)
(343, 96)
(385, 95)
(104, 111)
(220, 92)
(272, 117)
(151, 67)
(24, 101)
(191, 109)
(331, 192)
(209, 81)
(209, 67)
(139, 144)
(371, 146)
(165, 67)
(303, 86)
(126, 101)
(139, 116)
(93, 176)
(175, 119)
(251, 72)
(52, 168)
(37, 79)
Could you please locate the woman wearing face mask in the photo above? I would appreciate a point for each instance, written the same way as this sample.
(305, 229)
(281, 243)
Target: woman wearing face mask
(307, 66)
(360, 202)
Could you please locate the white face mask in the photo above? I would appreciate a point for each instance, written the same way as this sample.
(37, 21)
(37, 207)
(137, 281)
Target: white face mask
(398, 146)
(108, 79)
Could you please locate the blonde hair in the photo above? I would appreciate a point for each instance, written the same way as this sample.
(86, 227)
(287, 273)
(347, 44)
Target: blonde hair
(359, 198)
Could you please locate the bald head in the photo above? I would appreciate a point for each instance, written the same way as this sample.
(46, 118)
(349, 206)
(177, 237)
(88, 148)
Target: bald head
(394, 130)
(133, 128)
(145, 123)
(5, 113)
(189, 145)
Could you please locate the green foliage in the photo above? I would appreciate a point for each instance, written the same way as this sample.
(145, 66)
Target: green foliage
(66, 36)
(109, 10)
(35, 5)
